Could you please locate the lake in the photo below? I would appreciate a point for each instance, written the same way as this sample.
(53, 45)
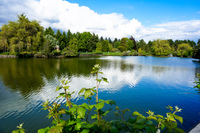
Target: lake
(138, 83)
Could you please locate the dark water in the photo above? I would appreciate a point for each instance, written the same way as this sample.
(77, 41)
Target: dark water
(137, 83)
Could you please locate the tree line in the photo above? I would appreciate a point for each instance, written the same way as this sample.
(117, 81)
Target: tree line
(25, 37)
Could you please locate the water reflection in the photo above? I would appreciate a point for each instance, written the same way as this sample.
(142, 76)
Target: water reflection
(26, 83)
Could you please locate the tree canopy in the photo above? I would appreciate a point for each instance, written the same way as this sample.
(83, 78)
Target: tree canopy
(25, 35)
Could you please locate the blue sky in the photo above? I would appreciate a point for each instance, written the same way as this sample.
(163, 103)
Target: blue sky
(149, 12)
(142, 19)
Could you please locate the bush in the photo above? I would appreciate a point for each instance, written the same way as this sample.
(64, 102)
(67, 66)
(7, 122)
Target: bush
(98, 52)
(56, 53)
(39, 55)
(81, 121)
(25, 54)
(133, 53)
(125, 53)
(4, 53)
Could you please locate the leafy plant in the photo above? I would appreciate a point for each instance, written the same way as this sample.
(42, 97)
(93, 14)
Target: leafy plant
(20, 129)
(198, 83)
(89, 118)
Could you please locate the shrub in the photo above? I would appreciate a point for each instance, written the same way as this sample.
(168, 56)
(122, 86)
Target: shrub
(25, 54)
(56, 53)
(133, 53)
(80, 120)
(39, 55)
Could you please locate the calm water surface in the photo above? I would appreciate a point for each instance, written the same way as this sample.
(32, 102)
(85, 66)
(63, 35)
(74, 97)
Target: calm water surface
(137, 83)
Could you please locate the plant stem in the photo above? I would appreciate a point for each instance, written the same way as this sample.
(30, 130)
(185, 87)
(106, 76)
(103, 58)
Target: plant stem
(68, 100)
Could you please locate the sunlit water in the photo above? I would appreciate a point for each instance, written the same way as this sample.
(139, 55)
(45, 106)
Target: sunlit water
(137, 83)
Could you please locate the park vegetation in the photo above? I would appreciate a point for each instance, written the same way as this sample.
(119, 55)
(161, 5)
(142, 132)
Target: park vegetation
(27, 38)
(90, 117)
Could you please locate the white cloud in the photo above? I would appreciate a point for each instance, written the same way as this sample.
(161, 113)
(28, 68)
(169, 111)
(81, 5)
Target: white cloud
(64, 15)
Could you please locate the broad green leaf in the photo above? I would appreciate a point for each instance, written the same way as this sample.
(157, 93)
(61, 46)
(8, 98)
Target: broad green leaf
(160, 116)
(87, 93)
(101, 100)
(111, 102)
(62, 81)
(61, 111)
(94, 116)
(105, 113)
(78, 126)
(179, 118)
(85, 105)
(131, 120)
(66, 87)
(170, 117)
(71, 122)
(93, 72)
(139, 126)
(58, 88)
(136, 113)
(105, 80)
(162, 126)
(61, 95)
(114, 130)
(98, 80)
(152, 118)
(91, 107)
(170, 107)
(85, 131)
(72, 110)
(56, 129)
(140, 120)
(66, 82)
(99, 106)
(100, 72)
(43, 130)
(149, 122)
(62, 124)
(81, 112)
(179, 130)
(82, 90)
(15, 131)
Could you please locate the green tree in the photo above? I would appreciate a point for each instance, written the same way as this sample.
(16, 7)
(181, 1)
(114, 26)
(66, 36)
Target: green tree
(130, 45)
(72, 49)
(105, 47)
(123, 44)
(68, 38)
(50, 44)
(58, 35)
(49, 31)
(134, 42)
(63, 41)
(117, 44)
(21, 35)
(184, 49)
(161, 47)
(141, 44)
(99, 47)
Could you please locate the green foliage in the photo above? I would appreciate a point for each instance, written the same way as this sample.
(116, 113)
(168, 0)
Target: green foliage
(161, 48)
(133, 53)
(123, 44)
(72, 49)
(99, 47)
(105, 46)
(39, 55)
(25, 54)
(87, 117)
(21, 36)
(198, 83)
(20, 129)
(184, 49)
(50, 44)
